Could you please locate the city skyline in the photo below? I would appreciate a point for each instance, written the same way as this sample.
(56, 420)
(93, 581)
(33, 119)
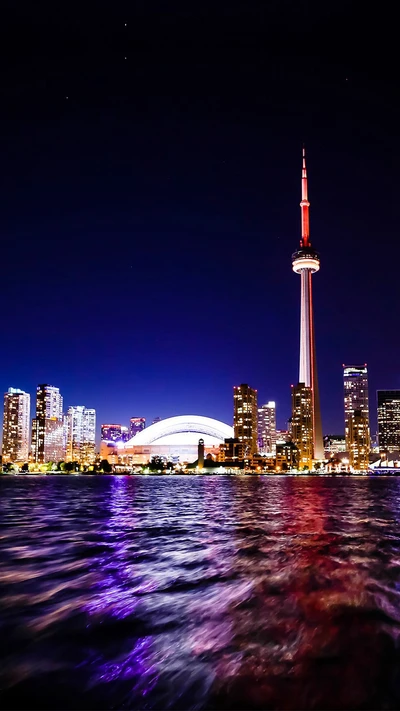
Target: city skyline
(307, 370)
(356, 398)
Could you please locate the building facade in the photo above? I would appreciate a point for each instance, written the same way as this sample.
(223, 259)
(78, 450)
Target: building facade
(232, 450)
(355, 380)
(80, 435)
(245, 417)
(287, 456)
(125, 436)
(359, 441)
(306, 262)
(267, 428)
(16, 425)
(111, 433)
(136, 424)
(333, 444)
(302, 424)
(47, 426)
(388, 420)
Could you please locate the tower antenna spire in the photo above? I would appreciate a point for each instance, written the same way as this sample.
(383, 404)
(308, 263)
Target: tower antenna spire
(304, 205)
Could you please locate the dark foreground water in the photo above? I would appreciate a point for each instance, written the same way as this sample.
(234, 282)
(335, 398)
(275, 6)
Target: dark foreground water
(199, 593)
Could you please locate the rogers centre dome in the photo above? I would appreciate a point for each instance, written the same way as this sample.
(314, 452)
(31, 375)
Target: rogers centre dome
(177, 438)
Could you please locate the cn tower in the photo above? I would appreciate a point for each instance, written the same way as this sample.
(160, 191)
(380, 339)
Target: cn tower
(306, 262)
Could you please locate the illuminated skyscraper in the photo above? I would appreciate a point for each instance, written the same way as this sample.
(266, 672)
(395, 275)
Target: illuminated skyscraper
(16, 422)
(267, 428)
(245, 417)
(80, 430)
(302, 424)
(389, 420)
(47, 426)
(359, 441)
(355, 380)
(306, 262)
(136, 424)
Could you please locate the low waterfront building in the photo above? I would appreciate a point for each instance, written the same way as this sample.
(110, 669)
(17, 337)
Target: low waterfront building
(232, 450)
(333, 444)
(287, 456)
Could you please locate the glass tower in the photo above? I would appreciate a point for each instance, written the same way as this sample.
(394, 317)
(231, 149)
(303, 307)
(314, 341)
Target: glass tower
(47, 426)
(356, 414)
(388, 420)
(267, 428)
(245, 417)
(80, 431)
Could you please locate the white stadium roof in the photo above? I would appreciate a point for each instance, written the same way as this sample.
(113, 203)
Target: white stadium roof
(184, 429)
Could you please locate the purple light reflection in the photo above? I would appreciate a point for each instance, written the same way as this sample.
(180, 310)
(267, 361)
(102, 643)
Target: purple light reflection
(135, 665)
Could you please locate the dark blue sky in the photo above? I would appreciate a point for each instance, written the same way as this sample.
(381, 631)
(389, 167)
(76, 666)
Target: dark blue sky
(148, 220)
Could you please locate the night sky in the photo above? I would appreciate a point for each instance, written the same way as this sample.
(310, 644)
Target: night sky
(150, 164)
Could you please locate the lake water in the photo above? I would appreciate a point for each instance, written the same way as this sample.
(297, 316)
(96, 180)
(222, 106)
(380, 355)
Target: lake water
(199, 592)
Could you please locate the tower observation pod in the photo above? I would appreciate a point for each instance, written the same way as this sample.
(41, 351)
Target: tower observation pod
(306, 262)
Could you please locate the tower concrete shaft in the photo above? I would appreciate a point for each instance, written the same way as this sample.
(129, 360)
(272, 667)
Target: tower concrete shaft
(306, 262)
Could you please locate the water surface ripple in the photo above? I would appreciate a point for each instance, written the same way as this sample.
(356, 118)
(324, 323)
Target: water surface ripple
(199, 592)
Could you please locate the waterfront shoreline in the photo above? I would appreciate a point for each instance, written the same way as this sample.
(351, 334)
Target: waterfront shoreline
(242, 473)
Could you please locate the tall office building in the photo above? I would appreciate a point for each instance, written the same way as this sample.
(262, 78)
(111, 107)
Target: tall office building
(359, 441)
(47, 426)
(389, 420)
(355, 379)
(136, 424)
(306, 262)
(80, 435)
(267, 428)
(111, 433)
(245, 417)
(16, 423)
(302, 424)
